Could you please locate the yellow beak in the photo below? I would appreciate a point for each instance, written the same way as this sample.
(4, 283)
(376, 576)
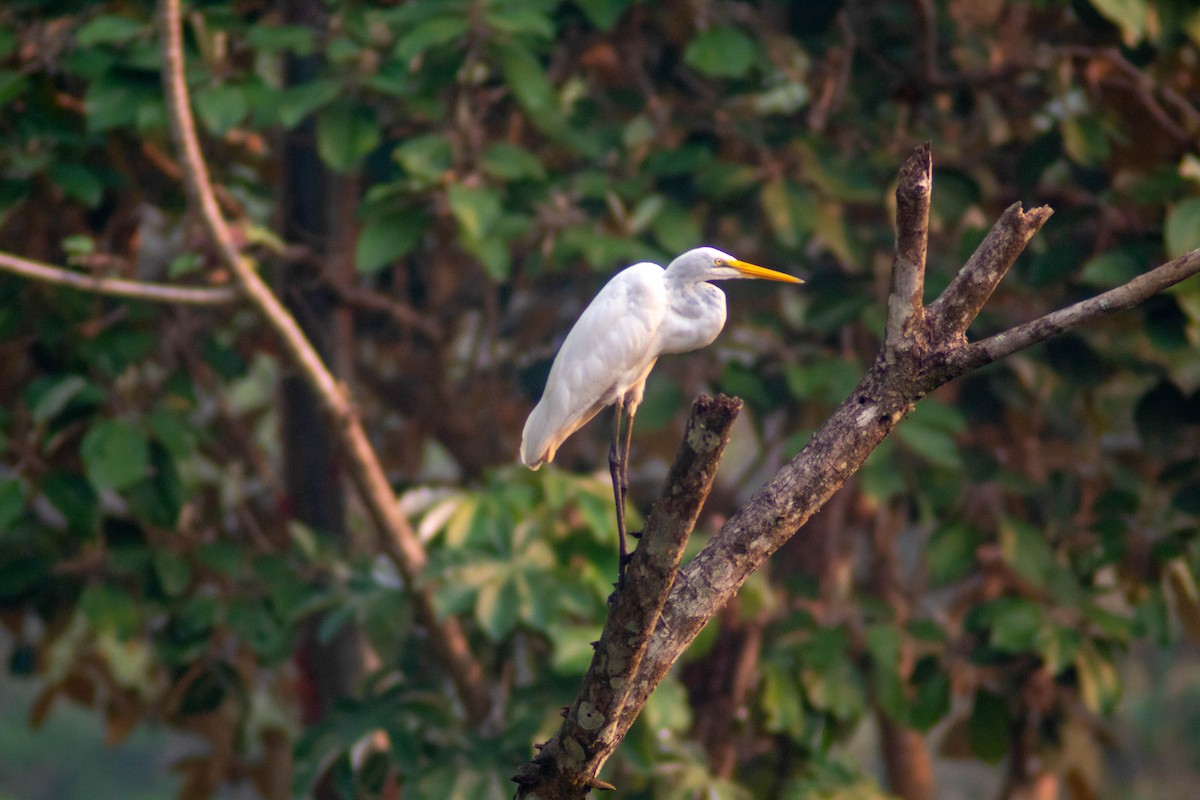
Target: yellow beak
(755, 271)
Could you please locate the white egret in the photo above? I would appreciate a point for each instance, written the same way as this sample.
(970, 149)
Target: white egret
(642, 313)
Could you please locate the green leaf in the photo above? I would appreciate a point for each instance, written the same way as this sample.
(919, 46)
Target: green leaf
(883, 645)
(1182, 230)
(1058, 646)
(879, 476)
(346, 133)
(497, 608)
(49, 398)
(12, 502)
(1087, 140)
(224, 557)
(173, 571)
(524, 75)
(297, 102)
(676, 228)
(298, 39)
(1016, 624)
(79, 182)
(668, 708)
(1130, 17)
(782, 703)
(115, 454)
(387, 238)
(931, 698)
(108, 29)
(1111, 268)
(221, 107)
(428, 34)
(929, 431)
(478, 212)
(109, 608)
(950, 552)
(989, 726)
(158, 498)
(75, 500)
(426, 158)
(13, 84)
(789, 209)
(603, 13)
(517, 19)
(511, 163)
(184, 264)
(8, 42)
(475, 208)
(1099, 681)
(1024, 549)
(721, 52)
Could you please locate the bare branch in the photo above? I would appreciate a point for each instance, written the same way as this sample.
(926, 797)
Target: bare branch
(119, 287)
(952, 313)
(396, 536)
(1123, 297)
(905, 311)
(592, 727)
(917, 357)
(403, 315)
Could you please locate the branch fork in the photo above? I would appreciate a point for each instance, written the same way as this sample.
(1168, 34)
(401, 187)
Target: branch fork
(923, 348)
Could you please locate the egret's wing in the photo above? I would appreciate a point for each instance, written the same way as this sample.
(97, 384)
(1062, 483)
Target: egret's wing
(609, 350)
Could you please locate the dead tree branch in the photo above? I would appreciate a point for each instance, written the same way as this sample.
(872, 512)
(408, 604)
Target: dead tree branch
(922, 350)
(592, 727)
(397, 538)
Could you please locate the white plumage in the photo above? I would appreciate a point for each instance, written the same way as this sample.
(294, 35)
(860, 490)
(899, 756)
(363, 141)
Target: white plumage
(643, 312)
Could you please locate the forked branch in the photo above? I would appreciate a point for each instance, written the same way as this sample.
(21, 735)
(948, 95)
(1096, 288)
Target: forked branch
(922, 349)
(592, 727)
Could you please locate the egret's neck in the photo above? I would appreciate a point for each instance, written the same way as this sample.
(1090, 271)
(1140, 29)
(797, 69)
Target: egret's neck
(698, 315)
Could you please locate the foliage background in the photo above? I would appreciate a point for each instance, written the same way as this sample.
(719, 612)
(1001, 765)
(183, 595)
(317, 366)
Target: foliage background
(437, 188)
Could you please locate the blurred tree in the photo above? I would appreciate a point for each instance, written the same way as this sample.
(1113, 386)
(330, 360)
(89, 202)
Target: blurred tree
(436, 189)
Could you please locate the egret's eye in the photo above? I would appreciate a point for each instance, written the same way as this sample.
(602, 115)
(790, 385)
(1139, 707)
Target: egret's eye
(720, 262)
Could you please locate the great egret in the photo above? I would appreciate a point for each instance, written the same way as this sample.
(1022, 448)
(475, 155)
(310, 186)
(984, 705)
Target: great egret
(642, 313)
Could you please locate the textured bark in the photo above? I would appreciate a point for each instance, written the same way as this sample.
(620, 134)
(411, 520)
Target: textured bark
(591, 730)
(923, 349)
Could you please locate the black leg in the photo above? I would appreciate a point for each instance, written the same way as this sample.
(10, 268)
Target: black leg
(616, 467)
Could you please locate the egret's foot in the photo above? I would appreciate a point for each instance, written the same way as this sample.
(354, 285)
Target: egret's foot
(622, 562)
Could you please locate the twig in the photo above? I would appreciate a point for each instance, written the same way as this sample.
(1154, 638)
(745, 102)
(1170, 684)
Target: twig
(118, 287)
(396, 536)
(1123, 297)
(405, 316)
(956, 308)
(913, 192)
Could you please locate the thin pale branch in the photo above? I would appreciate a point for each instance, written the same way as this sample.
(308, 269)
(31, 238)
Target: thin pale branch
(592, 729)
(396, 536)
(952, 313)
(1123, 297)
(119, 287)
(905, 311)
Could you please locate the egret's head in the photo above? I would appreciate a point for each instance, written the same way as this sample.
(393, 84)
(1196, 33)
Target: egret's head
(711, 264)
